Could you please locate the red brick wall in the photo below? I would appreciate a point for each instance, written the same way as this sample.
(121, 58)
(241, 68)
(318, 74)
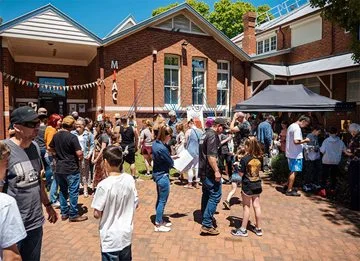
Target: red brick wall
(134, 55)
(334, 41)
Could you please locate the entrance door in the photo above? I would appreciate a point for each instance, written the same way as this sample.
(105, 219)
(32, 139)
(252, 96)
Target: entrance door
(53, 100)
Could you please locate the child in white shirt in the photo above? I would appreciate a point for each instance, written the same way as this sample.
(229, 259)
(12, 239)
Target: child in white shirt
(114, 204)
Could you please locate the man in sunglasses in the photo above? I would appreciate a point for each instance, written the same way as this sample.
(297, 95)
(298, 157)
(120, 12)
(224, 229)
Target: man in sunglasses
(23, 181)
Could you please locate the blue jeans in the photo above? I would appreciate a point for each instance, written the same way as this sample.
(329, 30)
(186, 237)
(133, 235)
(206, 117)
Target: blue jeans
(124, 255)
(163, 191)
(30, 246)
(211, 195)
(69, 187)
(50, 178)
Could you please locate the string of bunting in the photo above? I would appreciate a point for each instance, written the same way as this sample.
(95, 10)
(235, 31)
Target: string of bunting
(52, 87)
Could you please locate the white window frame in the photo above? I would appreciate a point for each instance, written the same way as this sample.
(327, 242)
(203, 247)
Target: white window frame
(356, 81)
(190, 26)
(262, 40)
(222, 71)
(173, 67)
(192, 79)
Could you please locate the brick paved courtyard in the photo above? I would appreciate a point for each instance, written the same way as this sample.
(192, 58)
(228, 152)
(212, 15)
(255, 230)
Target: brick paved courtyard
(305, 228)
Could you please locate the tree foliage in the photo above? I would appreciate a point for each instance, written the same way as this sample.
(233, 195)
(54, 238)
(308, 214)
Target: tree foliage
(201, 7)
(345, 13)
(226, 16)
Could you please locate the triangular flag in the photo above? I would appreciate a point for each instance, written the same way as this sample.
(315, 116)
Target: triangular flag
(7, 76)
(12, 77)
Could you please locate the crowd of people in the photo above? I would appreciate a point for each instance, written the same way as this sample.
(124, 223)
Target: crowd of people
(48, 159)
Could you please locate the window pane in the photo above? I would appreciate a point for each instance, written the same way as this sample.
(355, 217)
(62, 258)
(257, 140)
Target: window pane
(353, 86)
(221, 97)
(267, 45)
(225, 66)
(167, 77)
(174, 96)
(260, 47)
(167, 97)
(198, 64)
(222, 81)
(273, 43)
(171, 60)
(174, 77)
(196, 29)
(197, 96)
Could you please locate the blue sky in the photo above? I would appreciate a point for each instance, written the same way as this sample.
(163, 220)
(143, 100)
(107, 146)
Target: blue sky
(99, 16)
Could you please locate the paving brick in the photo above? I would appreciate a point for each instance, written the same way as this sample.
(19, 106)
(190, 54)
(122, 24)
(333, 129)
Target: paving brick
(309, 234)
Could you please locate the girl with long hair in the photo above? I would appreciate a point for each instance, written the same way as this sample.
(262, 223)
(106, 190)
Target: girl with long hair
(250, 166)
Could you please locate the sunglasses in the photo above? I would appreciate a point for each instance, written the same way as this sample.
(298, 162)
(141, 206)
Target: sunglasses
(31, 124)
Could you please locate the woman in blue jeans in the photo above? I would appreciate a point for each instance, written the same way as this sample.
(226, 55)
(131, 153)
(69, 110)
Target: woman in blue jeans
(162, 164)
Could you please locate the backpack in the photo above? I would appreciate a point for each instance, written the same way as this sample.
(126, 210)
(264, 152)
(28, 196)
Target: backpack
(253, 168)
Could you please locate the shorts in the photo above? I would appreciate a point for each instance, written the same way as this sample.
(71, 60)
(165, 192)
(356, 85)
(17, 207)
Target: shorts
(146, 150)
(251, 188)
(235, 177)
(130, 158)
(295, 165)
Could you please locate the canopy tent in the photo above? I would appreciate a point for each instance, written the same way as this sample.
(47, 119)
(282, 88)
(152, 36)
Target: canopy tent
(291, 98)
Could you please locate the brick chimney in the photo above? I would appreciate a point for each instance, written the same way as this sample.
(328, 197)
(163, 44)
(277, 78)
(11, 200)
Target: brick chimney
(249, 40)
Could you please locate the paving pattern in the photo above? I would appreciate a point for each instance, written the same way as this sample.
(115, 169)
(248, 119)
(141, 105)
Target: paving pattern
(304, 228)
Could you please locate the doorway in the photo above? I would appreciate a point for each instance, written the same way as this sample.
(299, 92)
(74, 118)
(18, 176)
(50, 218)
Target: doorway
(53, 100)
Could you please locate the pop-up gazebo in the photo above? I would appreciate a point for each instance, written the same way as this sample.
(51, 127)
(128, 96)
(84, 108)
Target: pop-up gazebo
(291, 98)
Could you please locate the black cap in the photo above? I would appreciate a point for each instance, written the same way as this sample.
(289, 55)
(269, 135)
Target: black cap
(23, 114)
(222, 121)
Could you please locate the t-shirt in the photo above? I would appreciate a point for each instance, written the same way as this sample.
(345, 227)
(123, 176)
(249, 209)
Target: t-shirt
(23, 183)
(117, 198)
(208, 146)
(40, 138)
(224, 148)
(49, 134)
(193, 141)
(294, 151)
(251, 182)
(12, 229)
(127, 137)
(66, 145)
(146, 136)
(242, 134)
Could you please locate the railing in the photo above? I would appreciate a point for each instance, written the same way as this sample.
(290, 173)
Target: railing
(280, 10)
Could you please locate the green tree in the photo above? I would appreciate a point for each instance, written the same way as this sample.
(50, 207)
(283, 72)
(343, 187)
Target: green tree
(227, 16)
(200, 6)
(261, 12)
(345, 13)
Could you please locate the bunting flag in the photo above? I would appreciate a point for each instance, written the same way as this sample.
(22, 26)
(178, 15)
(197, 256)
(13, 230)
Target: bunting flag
(52, 87)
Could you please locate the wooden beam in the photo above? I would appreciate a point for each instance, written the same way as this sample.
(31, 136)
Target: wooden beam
(258, 87)
(326, 87)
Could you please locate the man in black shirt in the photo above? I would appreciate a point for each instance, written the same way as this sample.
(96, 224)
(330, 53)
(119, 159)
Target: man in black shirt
(241, 129)
(210, 174)
(67, 173)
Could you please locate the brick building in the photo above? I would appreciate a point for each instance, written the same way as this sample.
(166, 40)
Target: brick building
(301, 47)
(170, 61)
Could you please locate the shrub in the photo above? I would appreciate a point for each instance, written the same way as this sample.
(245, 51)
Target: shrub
(280, 169)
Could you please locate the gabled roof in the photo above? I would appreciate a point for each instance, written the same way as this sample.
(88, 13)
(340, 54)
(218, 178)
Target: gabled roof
(49, 22)
(217, 34)
(129, 20)
(321, 65)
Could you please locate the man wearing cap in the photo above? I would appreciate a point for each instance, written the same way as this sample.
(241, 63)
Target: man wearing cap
(68, 152)
(241, 127)
(210, 175)
(23, 181)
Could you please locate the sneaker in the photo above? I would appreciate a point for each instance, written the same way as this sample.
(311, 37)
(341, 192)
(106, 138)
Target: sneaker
(292, 193)
(56, 204)
(226, 204)
(239, 232)
(285, 188)
(166, 224)
(78, 218)
(86, 194)
(162, 228)
(307, 188)
(257, 231)
(209, 230)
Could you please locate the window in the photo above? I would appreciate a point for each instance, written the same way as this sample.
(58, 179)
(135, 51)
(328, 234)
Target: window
(266, 45)
(171, 79)
(198, 81)
(306, 32)
(353, 86)
(223, 82)
(312, 83)
(45, 92)
(180, 23)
